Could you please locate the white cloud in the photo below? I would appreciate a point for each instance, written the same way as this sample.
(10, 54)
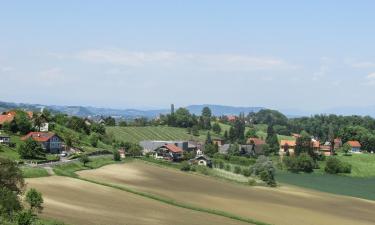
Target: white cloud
(370, 79)
(212, 62)
(365, 64)
(5, 69)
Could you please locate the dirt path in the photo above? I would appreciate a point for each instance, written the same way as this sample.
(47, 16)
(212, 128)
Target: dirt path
(78, 202)
(284, 206)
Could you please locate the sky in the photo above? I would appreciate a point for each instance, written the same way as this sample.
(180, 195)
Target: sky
(301, 55)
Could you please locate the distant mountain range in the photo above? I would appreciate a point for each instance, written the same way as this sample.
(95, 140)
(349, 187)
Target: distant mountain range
(83, 111)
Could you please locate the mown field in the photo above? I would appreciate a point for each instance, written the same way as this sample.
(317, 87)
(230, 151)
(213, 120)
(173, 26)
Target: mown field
(137, 134)
(79, 202)
(285, 205)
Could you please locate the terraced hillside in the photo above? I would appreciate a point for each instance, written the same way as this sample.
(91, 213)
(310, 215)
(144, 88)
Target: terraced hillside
(137, 134)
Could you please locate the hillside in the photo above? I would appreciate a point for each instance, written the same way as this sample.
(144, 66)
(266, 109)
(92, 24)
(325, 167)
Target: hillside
(137, 134)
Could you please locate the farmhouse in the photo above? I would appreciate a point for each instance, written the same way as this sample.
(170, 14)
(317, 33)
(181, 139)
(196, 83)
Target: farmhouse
(231, 118)
(8, 117)
(355, 146)
(201, 160)
(168, 152)
(287, 147)
(49, 141)
(151, 146)
(256, 145)
(218, 141)
(325, 149)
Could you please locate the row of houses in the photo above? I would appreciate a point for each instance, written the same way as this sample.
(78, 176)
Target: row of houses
(288, 146)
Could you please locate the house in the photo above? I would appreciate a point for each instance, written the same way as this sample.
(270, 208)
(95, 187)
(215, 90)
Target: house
(355, 146)
(224, 149)
(338, 143)
(287, 147)
(315, 145)
(201, 160)
(44, 127)
(257, 145)
(169, 152)
(6, 118)
(325, 149)
(122, 153)
(151, 146)
(4, 140)
(231, 118)
(218, 141)
(49, 141)
(9, 116)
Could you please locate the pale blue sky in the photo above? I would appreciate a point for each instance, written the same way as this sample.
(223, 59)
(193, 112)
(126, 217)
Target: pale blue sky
(306, 55)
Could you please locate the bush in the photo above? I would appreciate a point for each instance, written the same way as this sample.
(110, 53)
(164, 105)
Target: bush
(265, 170)
(246, 172)
(116, 156)
(237, 170)
(252, 182)
(303, 163)
(334, 166)
(203, 170)
(227, 167)
(185, 166)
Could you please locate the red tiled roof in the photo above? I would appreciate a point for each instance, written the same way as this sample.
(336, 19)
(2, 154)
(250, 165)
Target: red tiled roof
(296, 135)
(257, 141)
(6, 118)
(316, 144)
(354, 144)
(231, 118)
(290, 143)
(39, 136)
(173, 148)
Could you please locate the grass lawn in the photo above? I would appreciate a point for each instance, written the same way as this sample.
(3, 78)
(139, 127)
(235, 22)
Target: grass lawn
(137, 134)
(9, 153)
(343, 185)
(69, 169)
(29, 172)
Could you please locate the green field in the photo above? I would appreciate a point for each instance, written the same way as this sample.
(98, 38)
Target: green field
(137, 134)
(343, 185)
(29, 172)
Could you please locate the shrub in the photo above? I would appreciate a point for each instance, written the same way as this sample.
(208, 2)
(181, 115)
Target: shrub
(203, 170)
(237, 170)
(246, 172)
(252, 182)
(185, 166)
(303, 162)
(116, 156)
(227, 167)
(265, 170)
(334, 166)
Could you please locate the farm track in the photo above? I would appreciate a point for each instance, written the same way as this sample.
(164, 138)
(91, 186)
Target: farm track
(284, 206)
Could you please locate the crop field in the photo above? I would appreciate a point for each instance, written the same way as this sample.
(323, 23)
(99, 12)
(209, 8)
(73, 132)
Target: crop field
(285, 205)
(137, 134)
(75, 201)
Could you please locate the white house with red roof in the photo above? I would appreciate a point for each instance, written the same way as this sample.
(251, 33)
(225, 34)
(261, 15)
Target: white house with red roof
(169, 152)
(355, 146)
(49, 141)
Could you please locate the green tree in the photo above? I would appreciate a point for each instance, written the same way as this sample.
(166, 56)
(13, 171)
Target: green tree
(123, 123)
(205, 120)
(9, 203)
(84, 159)
(23, 122)
(183, 118)
(304, 145)
(116, 156)
(25, 217)
(272, 140)
(251, 133)
(135, 150)
(35, 200)
(94, 139)
(30, 149)
(234, 149)
(208, 138)
(210, 149)
(216, 128)
(226, 136)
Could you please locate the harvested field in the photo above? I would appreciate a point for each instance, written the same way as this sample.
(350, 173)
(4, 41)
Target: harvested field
(79, 202)
(285, 206)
